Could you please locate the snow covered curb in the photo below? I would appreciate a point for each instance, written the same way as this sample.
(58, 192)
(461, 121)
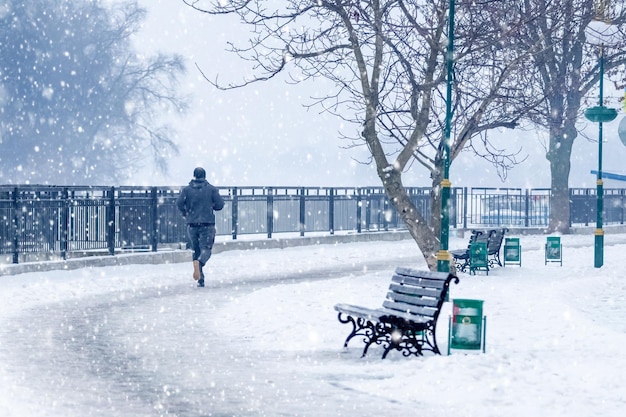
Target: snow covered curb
(178, 256)
(248, 242)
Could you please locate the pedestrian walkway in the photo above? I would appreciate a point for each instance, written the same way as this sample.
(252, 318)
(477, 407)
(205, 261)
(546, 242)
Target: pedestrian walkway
(262, 339)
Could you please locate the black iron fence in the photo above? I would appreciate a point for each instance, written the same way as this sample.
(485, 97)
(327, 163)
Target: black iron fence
(35, 219)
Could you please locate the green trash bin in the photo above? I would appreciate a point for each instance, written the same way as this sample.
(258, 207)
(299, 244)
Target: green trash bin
(467, 325)
(512, 251)
(554, 250)
(478, 257)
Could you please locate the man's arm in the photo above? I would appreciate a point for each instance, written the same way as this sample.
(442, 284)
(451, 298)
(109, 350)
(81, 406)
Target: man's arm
(180, 203)
(218, 201)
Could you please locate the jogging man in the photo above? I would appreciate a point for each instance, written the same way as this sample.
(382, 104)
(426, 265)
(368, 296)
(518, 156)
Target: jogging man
(196, 202)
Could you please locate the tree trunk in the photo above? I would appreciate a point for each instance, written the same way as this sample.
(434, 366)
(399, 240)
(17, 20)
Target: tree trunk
(559, 197)
(417, 226)
(559, 154)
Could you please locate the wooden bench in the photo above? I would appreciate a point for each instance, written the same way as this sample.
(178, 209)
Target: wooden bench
(462, 256)
(494, 243)
(407, 321)
(493, 238)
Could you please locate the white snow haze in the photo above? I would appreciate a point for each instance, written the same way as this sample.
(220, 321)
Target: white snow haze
(263, 134)
(262, 339)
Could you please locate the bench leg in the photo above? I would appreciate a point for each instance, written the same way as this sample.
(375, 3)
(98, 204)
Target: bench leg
(430, 334)
(360, 327)
(403, 340)
(411, 341)
(357, 326)
(393, 341)
(461, 265)
(495, 260)
(376, 336)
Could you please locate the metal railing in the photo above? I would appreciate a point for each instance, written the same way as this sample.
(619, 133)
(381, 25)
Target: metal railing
(54, 219)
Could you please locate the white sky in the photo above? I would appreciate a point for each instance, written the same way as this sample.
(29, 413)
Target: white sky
(262, 338)
(263, 135)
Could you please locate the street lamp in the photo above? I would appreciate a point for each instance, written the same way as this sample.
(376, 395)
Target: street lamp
(599, 32)
(443, 256)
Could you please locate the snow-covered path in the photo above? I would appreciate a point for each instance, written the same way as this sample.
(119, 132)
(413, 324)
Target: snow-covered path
(155, 347)
(262, 339)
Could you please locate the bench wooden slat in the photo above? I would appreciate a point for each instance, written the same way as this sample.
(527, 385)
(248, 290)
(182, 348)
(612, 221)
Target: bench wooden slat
(358, 311)
(377, 314)
(413, 300)
(417, 291)
(410, 308)
(419, 282)
(414, 273)
(460, 254)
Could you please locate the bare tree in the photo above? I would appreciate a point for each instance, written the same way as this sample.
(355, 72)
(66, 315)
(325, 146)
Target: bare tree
(78, 104)
(387, 60)
(568, 75)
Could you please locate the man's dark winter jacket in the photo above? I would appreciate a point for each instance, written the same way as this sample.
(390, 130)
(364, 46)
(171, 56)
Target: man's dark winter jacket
(198, 200)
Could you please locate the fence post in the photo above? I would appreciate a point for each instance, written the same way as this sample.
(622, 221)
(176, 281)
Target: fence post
(588, 200)
(527, 209)
(110, 214)
(385, 209)
(621, 206)
(571, 205)
(302, 212)
(465, 208)
(270, 211)
(234, 213)
(155, 219)
(65, 216)
(452, 207)
(368, 211)
(16, 220)
(358, 210)
(331, 211)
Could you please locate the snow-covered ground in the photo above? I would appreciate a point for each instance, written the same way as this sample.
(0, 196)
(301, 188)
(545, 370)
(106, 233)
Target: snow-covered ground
(262, 339)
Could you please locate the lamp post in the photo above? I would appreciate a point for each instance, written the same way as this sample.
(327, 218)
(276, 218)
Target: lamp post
(443, 256)
(600, 33)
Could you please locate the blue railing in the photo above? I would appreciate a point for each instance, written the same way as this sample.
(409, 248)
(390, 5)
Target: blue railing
(71, 219)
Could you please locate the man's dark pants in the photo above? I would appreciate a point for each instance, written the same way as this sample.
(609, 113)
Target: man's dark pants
(202, 237)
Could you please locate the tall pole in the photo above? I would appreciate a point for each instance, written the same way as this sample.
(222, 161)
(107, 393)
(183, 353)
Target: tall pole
(443, 256)
(600, 31)
(599, 233)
